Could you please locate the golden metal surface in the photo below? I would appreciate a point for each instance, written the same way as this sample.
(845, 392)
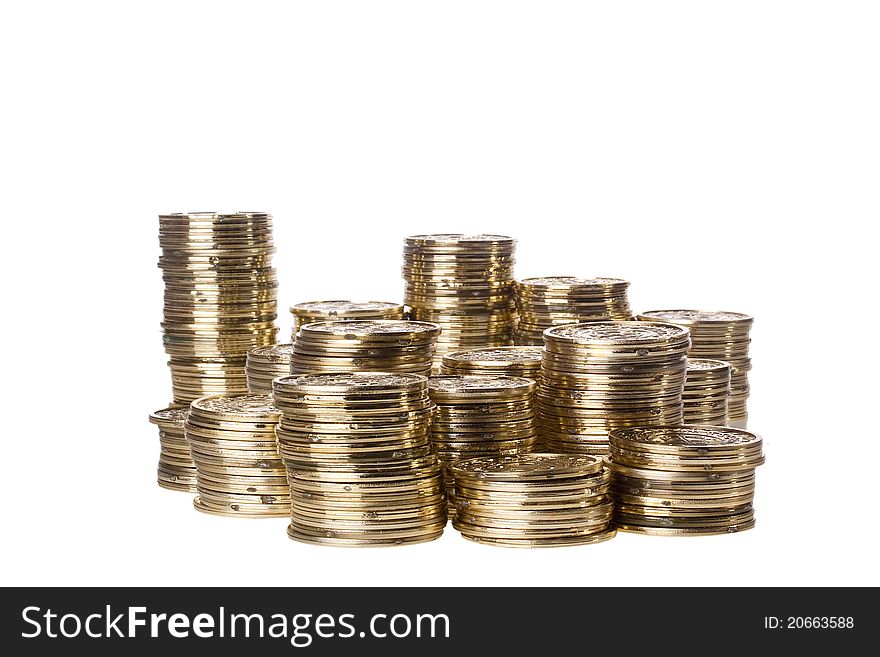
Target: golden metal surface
(371, 479)
(718, 335)
(684, 480)
(232, 443)
(532, 500)
(600, 376)
(220, 298)
(464, 283)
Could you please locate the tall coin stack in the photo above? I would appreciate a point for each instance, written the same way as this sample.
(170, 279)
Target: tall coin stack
(176, 469)
(684, 480)
(533, 500)
(232, 441)
(220, 298)
(719, 335)
(464, 283)
(481, 415)
(328, 311)
(265, 364)
(524, 361)
(358, 455)
(706, 392)
(383, 345)
(606, 375)
(549, 301)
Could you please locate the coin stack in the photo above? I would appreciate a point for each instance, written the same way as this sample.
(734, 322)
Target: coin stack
(481, 415)
(719, 335)
(232, 441)
(607, 375)
(684, 480)
(533, 500)
(464, 283)
(358, 455)
(176, 469)
(524, 361)
(706, 391)
(265, 364)
(549, 301)
(328, 311)
(220, 298)
(382, 345)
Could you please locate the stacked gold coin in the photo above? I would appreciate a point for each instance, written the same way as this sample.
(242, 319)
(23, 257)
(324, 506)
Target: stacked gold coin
(481, 415)
(684, 480)
(239, 472)
(706, 392)
(524, 361)
(176, 469)
(329, 311)
(607, 375)
(533, 500)
(719, 335)
(382, 345)
(358, 455)
(464, 283)
(549, 301)
(220, 298)
(265, 364)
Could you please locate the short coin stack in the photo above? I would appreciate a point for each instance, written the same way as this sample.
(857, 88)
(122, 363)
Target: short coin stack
(719, 335)
(220, 298)
(328, 311)
(232, 441)
(549, 301)
(265, 364)
(176, 469)
(481, 415)
(358, 455)
(684, 480)
(522, 361)
(606, 375)
(384, 345)
(464, 283)
(533, 500)
(706, 392)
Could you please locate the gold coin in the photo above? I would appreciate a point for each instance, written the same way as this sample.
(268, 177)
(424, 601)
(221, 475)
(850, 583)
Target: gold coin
(527, 467)
(430, 534)
(473, 388)
(691, 440)
(237, 511)
(352, 384)
(685, 531)
(378, 331)
(585, 539)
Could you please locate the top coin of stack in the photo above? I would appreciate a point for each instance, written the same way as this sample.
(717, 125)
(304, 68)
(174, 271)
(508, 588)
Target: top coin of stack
(719, 335)
(220, 298)
(524, 361)
(382, 345)
(357, 448)
(327, 311)
(549, 301)
(533, 500)
(677, 481)
(706, 392)
(607, 375)
(464, 283)
(265, 364)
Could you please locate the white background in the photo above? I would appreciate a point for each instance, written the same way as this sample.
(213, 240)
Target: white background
(718, 155)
